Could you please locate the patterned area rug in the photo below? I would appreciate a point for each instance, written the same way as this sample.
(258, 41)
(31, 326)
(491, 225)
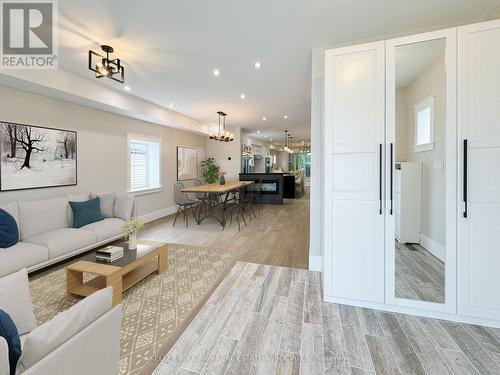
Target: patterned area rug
(153, 308)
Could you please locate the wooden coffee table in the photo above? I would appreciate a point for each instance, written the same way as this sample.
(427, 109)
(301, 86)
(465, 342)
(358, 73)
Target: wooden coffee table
(123, 273)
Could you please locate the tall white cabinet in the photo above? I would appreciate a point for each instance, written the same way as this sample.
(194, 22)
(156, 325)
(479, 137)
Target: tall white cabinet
(354, 137)
(359, 221)
(479, 134)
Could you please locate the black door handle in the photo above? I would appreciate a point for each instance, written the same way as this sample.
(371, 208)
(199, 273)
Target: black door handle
(391, 175)
(380, 180)
(465, 178)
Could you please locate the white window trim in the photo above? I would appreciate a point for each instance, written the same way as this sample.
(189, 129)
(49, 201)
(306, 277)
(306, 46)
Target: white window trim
(146, 138)
(427, 102)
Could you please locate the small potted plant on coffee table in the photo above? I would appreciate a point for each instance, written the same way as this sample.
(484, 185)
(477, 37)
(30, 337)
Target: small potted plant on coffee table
(131, 228)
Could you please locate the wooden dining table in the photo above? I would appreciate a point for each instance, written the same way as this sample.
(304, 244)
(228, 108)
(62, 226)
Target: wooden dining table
(216, 198)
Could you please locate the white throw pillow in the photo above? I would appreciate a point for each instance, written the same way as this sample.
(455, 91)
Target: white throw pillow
(15, 300)
(107, 203)
(75, 198)
(42, 216)
(124, 204)
(49, 336)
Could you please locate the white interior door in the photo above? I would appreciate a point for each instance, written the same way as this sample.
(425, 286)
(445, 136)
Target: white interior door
(411, 66)
(479, 124)
(354, 159)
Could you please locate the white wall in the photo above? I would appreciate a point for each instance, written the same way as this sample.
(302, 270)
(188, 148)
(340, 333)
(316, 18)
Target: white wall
(102, 146)
(63, 85)
(430, 82)
(222, 151)
(316, 198)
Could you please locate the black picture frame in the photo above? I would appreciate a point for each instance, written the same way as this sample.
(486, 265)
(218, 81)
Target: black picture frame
(37, 127)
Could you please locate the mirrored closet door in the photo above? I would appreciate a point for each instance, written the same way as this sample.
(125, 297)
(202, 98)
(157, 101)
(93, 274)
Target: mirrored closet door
(421, 165)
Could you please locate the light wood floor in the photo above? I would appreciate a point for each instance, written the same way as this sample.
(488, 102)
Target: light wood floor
(419, 274)
(278, 235)
(271, 320)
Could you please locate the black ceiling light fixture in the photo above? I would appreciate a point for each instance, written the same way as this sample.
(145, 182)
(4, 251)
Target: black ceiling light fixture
(103, 66)
(222, 135)
(286, 145)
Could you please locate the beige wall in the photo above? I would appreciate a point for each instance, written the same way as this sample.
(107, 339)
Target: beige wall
(401, 125)
(430, 82)
(102, 147)
(222, 151)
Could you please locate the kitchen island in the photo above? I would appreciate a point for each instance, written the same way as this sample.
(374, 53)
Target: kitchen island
(271, 185)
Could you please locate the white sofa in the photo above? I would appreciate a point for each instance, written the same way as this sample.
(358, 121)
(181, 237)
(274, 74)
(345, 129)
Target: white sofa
(47, 236)
(82, 340)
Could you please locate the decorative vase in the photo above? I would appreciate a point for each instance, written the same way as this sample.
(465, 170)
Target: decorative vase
(222, 180)
(132, 241)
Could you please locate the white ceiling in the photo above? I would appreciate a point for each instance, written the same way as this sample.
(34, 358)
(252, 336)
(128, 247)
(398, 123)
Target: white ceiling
(170, 48)
(413, 59)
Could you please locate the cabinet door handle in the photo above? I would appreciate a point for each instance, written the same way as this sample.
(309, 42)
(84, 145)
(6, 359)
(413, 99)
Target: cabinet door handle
(380, 179)
(391, 175)
(465, 178)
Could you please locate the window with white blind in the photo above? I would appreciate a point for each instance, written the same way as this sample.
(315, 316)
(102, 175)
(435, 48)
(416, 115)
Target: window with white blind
(144, 163)
(424, 125)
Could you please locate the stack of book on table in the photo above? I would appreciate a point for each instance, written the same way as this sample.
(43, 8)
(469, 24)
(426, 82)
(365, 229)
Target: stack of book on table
(109, 254)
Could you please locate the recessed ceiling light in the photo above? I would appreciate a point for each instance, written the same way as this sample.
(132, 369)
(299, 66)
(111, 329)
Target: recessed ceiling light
(257, 65)
(265, 136)
(216, 72)
(270, 139)
(171, 106)
(258, 131)
(264, 118)
(242, 96)
(127, 88)
(285, 116)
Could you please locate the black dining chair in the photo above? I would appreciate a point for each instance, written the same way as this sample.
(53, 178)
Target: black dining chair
(185, 203)
(234, 205)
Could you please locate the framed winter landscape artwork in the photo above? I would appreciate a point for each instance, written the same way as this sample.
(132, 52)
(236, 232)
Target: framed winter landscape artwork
(187, 163)
(36, 157)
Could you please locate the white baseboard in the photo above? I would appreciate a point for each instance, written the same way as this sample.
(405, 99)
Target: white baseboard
(315, 263)
(479, 321)
(414, 311)
(435, 248)
(391, 308)
(155, 215)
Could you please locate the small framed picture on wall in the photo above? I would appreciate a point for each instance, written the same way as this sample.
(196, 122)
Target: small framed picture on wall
(187, 163)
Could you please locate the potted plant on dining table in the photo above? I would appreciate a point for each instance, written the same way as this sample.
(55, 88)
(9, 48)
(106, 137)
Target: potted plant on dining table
(209, 170)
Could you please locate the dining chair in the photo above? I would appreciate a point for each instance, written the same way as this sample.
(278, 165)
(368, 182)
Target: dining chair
(184, 202)
(258, 194)
(235, 206)
(247, 200)
(200, 197)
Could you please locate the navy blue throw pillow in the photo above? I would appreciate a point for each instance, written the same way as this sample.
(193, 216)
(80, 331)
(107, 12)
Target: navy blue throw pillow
(86, 212)
(9, 332)
(9, 233)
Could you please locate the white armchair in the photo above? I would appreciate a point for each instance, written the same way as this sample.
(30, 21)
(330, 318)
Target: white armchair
(84, 339)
